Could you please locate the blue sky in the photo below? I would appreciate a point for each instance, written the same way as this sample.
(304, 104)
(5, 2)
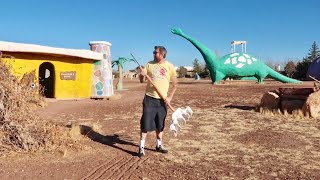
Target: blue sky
(275, 30)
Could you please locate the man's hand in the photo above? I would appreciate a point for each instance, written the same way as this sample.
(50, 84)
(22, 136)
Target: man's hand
(143, 71)
(168, 100)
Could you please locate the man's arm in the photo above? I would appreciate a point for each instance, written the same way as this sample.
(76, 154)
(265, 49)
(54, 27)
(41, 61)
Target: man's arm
(173, 90)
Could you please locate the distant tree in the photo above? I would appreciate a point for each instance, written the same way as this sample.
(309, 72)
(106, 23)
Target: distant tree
(290, 69)
(313, 52)
(182, 71)
(269, 63)
(302, 67)
(205, 72)
(197, 66)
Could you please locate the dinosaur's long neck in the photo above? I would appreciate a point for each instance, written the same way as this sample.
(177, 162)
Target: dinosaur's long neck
(206, 53)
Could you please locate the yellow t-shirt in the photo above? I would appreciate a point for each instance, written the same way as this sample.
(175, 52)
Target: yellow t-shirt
(161, 75)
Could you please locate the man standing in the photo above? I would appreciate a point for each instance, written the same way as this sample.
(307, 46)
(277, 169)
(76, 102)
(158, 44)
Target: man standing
(154, 107)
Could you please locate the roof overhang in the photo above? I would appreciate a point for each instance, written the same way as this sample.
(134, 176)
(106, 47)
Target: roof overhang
(32, 48)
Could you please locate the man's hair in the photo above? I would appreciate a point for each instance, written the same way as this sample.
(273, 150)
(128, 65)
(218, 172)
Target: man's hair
(162, 49)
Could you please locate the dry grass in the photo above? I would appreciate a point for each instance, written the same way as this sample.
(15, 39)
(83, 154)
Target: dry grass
(230, 138)
(96, 127)
(79, 130)
(20, 129)
(75, 132)
(248, 141)
(116, 96)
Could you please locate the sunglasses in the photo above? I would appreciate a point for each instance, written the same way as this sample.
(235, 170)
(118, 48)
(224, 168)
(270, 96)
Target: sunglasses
(155, 52)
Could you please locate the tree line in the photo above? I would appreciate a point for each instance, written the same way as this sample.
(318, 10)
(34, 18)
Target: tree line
(299, 70)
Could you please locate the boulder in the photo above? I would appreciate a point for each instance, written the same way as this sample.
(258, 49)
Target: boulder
(312, 105)
(270, 100)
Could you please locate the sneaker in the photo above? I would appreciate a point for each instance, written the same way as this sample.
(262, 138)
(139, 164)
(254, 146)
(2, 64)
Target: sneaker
(161, 149)
(141, 152)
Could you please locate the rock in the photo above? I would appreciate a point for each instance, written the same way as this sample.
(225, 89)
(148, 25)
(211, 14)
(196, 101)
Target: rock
(270, 100)
(1, 93)
(312, 105)
(1, 106)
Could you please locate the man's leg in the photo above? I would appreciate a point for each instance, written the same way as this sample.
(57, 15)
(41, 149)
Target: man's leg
(143, 136)
(159, 138)
(159, 146)
(160, 122)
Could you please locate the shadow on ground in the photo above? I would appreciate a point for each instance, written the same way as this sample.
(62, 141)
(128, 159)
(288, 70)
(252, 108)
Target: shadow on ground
(247, 108)
(110, 140)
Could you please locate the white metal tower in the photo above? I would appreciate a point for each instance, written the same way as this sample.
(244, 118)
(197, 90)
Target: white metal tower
(242, 43)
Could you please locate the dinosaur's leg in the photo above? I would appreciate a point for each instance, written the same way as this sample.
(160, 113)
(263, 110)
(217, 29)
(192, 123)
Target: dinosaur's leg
(261, 76)
(219, 76)
(260, 80)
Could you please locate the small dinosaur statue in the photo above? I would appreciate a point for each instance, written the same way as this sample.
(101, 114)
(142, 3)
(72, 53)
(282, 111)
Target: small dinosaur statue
(234, 65)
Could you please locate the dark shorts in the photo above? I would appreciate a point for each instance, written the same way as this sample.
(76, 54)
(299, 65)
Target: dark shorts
(154, 114)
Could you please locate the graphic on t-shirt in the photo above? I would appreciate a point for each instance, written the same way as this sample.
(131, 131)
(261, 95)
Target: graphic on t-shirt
(162, 72)
(159, 73)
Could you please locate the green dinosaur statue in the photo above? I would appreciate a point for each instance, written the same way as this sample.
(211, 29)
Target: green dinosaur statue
(234, 65)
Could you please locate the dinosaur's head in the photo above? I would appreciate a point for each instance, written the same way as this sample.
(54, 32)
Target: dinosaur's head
(177, 31)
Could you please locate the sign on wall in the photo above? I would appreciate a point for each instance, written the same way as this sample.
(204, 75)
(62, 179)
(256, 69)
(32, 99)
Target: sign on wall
(68, 75)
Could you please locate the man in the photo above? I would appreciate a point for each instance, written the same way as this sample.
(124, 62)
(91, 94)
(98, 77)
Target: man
(154, 114)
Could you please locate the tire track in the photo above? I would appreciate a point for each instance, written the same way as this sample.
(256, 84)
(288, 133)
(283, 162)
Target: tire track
(112, 172)
(93, 173)
(131, 169)
(111, 167)
(116, 168)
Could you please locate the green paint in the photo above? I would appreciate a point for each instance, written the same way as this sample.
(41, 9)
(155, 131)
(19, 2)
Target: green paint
(99, 86)
(234, 65)
(97, 63)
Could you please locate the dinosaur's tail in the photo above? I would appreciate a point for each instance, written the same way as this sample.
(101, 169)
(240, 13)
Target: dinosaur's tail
(280, 77)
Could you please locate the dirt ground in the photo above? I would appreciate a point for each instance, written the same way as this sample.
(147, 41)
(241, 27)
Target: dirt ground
(224, 139)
